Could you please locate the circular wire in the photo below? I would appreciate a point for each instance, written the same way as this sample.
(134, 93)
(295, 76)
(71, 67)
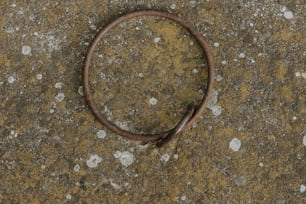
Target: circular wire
(193, 112)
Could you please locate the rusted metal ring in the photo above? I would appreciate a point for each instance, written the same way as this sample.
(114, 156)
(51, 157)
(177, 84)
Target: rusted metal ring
(193, 112)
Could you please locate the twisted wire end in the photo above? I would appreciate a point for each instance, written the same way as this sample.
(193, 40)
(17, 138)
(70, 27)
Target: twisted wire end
(179, 127)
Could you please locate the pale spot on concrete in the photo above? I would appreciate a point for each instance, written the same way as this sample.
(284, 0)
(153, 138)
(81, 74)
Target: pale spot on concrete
(101, 134)
(213, 99)
(165, 158)
(117, 154)
(240, 180)
(183, 198)
(194, 125)
(195, 71)
(126, 158)
(235, 144)
(39, 76)
(77, 167)
(173, 6)
(68, 196)
(298, 74)
(302, 188)
(288, 14)
(26, 50)
(60, 97)
(11, 79)
(241, 55)
(81, 91)
(153, 101)
(219, 77)
(216, 110)
(157, 39)
(93, 161)
(115, 186)
(58, 85)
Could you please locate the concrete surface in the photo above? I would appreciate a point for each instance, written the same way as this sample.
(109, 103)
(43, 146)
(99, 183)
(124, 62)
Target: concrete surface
(249, 146)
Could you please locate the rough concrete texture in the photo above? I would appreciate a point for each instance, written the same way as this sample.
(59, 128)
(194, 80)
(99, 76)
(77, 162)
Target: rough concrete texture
(249, 146)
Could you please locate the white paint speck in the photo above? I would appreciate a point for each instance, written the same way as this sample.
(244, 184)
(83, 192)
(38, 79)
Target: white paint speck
(240, 180)
(175, 156)
(13, 134)
(165, 158)
(26, 50)
(10, 30)
(195, 71)
(219, 77)
(68, 196)
(194, 125)
(214, 98)
(235, 144)
(216, 110)
(153, 101)
(173, 6)
(115, 186)
(304, 140)
(58, 85)
(288, 15)
(117, 154)
(60, 97)
(241, 55)
(252, 60)
(93, 27)
(283, 9)
(77, 167)
(39, 76)
(299, 74)
(216, 44)
(126, 158)
(93, 161)
(101, 134)
(11, 79)
(261, 164)
(302, 188)
(81, 91)
(157, 39)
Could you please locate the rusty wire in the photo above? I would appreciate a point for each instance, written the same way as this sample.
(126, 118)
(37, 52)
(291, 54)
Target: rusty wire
(193, 112)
